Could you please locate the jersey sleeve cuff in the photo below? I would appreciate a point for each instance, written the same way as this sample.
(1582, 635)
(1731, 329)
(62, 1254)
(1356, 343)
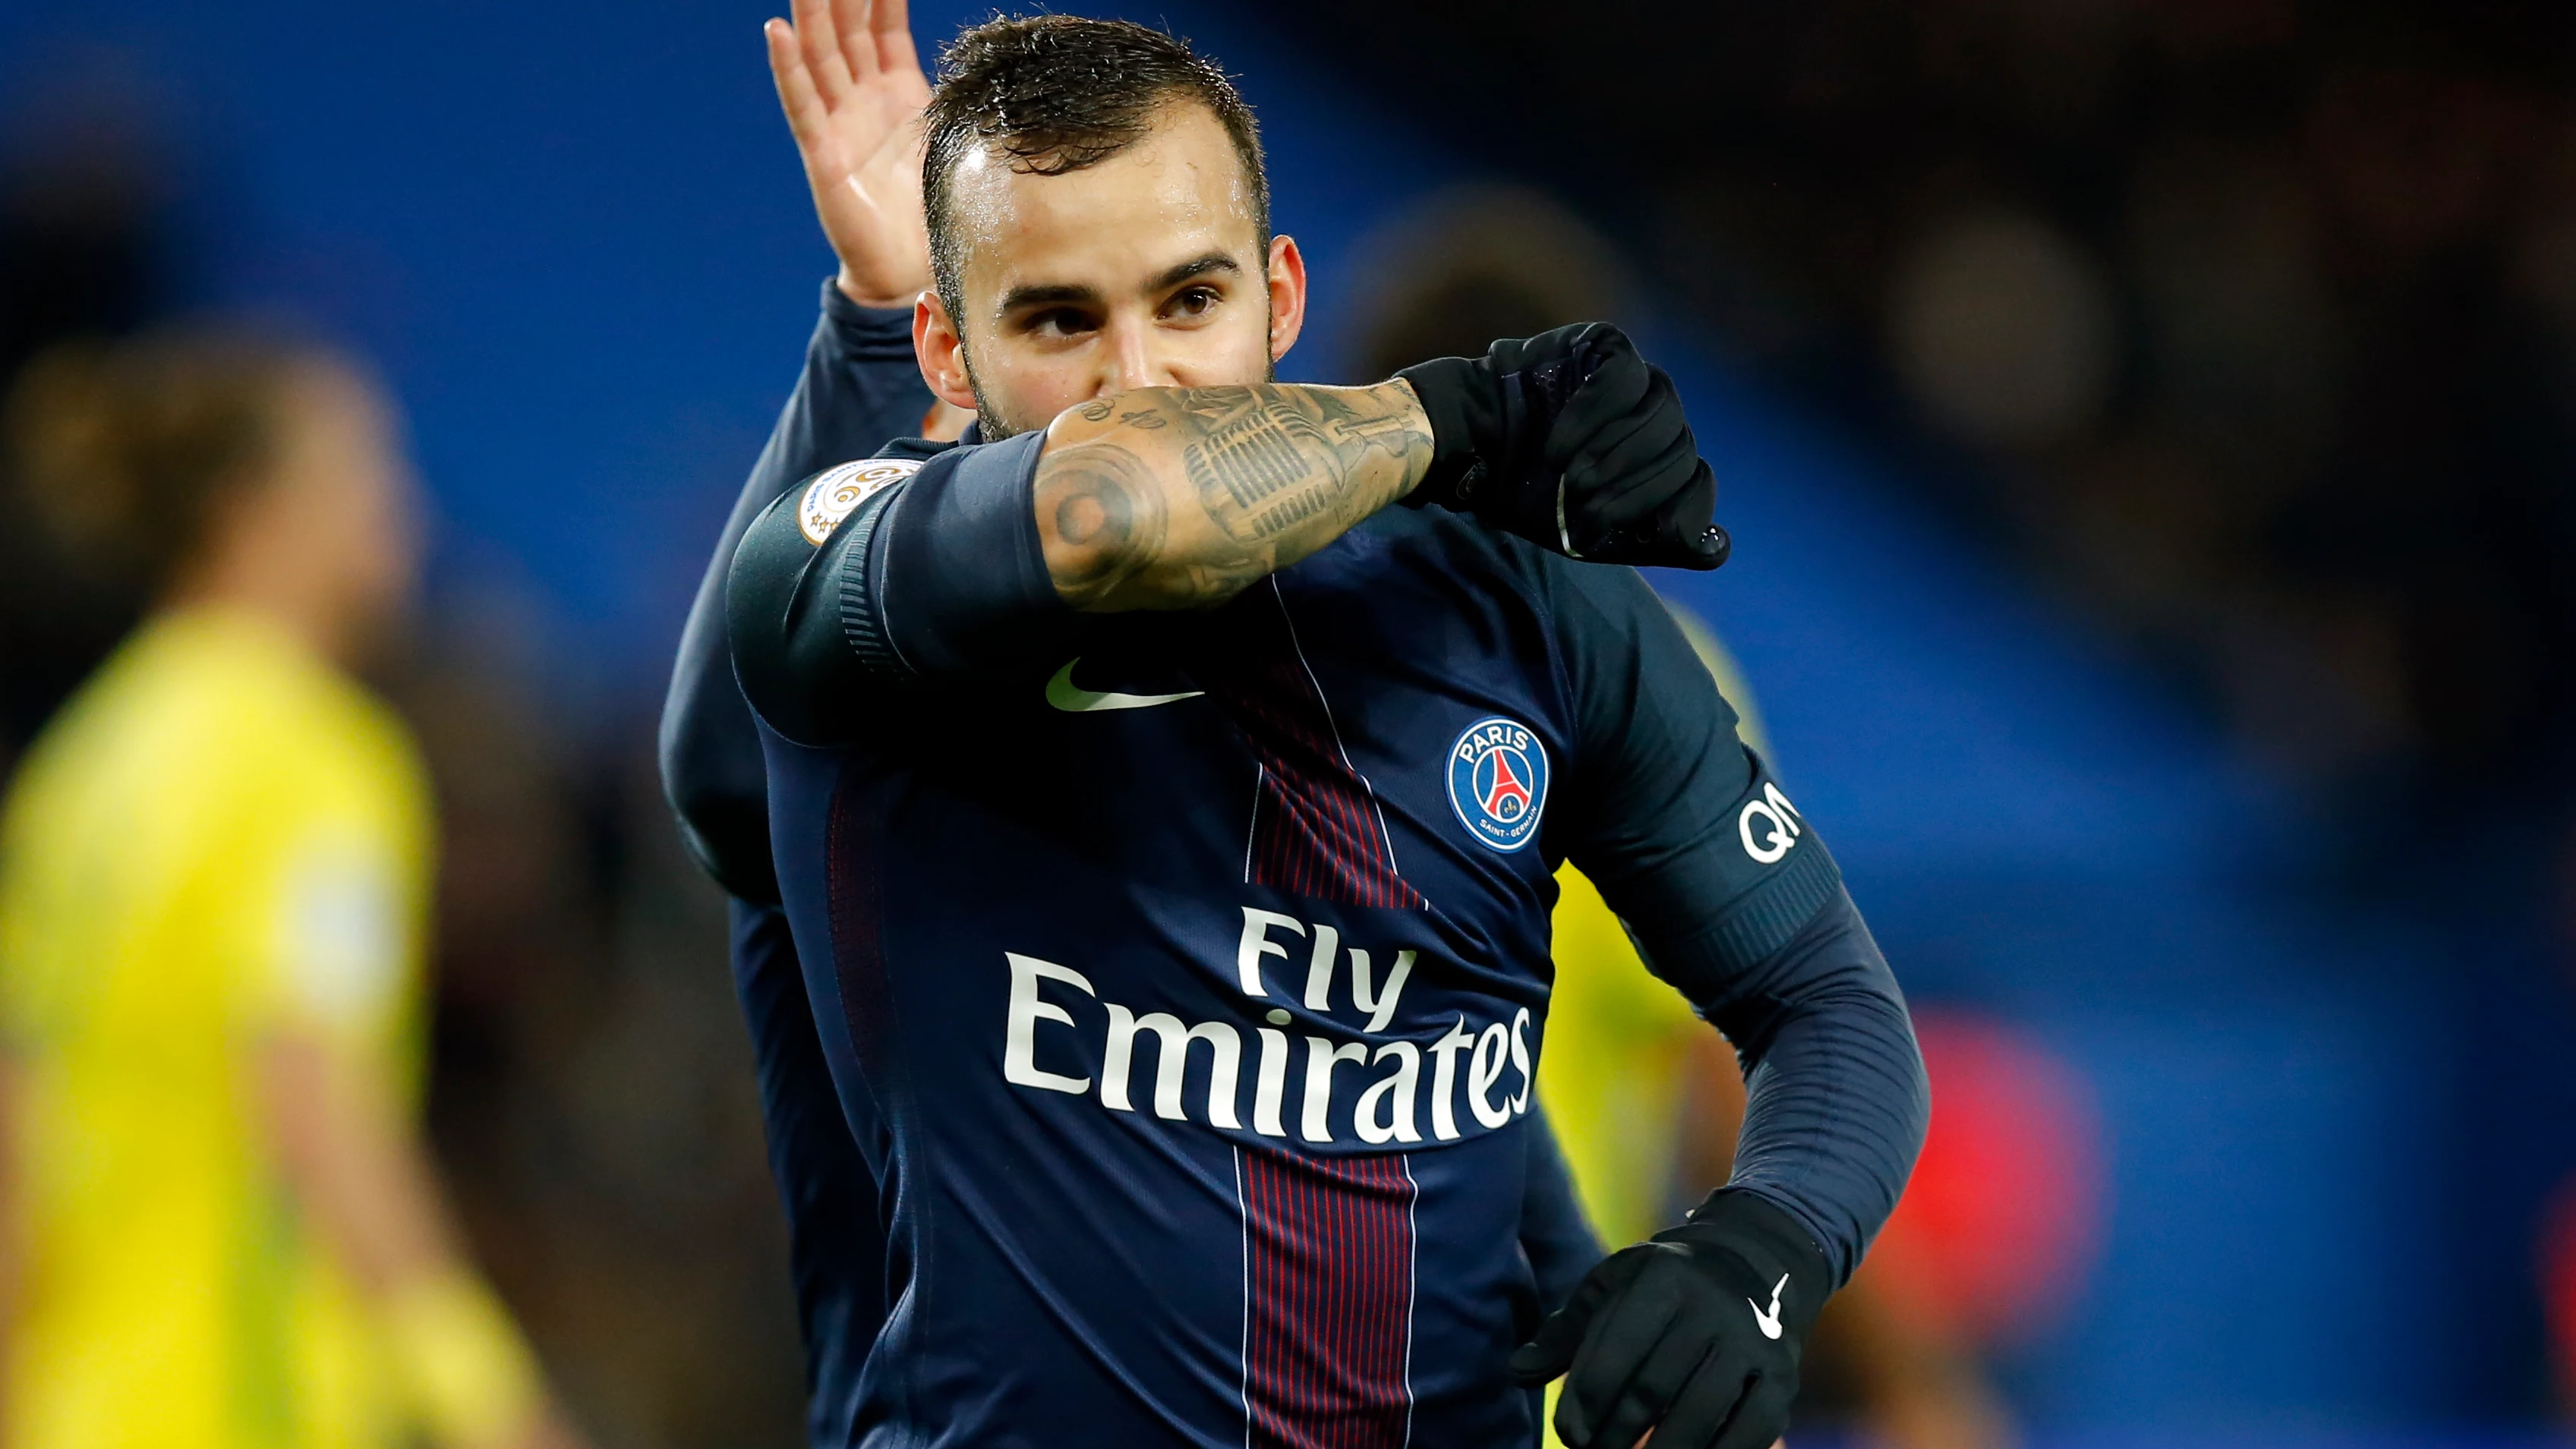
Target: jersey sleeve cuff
(1772, 1232)
(866, 334)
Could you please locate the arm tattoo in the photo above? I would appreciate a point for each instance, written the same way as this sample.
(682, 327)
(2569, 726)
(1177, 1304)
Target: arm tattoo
(1105, 501)
(1265, 460)
(1275, 472)
(1252, 472)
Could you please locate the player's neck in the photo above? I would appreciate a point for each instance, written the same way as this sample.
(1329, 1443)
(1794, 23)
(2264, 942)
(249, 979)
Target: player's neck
(284, 600)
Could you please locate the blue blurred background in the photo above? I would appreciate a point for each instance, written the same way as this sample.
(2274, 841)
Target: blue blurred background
(2144, 426)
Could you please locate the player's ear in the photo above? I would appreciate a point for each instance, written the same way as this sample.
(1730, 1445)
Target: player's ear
(941, 353)
(1287, 295)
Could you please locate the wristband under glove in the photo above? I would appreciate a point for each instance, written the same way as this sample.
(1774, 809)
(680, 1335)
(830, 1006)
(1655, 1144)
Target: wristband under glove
(1695, 1334)
(1573, 441)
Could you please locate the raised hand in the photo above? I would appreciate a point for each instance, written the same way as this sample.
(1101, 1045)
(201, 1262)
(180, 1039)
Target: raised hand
(853, 90)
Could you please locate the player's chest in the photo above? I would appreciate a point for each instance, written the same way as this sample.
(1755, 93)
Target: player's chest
(1298, 743)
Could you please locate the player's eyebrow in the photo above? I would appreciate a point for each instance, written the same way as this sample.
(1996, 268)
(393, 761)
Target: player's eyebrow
(1075, 294)
(1057, 295)
(1198, 266)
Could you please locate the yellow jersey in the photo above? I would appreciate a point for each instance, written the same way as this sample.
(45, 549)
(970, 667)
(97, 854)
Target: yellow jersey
(220, 836)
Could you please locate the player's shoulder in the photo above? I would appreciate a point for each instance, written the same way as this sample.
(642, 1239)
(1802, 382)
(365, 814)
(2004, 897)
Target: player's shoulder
(922, 450)
(834, 493)
(239, 742)
(270, 719)
(824, 499)
(181, 690)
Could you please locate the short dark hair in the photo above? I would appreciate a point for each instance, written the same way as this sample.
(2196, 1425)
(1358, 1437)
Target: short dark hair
(126, 451)
(1057, 93)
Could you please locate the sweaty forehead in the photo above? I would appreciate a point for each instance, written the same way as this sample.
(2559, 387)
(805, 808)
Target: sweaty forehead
(1178, 192)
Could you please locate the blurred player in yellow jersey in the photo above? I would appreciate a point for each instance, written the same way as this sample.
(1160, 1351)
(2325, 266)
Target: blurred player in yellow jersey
(221, 1226)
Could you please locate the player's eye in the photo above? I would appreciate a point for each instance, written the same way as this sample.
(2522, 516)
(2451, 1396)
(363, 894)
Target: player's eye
(1192, 302)
(1060, 322)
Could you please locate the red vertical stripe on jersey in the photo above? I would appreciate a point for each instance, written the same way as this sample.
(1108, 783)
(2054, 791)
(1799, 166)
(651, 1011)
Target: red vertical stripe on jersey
(1328, 1310)
(1315, 828)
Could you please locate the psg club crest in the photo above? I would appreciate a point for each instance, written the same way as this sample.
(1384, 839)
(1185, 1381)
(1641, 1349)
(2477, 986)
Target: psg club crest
(1498, 782)
(836, 491)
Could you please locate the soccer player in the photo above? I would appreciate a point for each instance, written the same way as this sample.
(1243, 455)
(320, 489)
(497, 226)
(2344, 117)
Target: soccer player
(853, 89)
(222, 1226)
(1137, 726)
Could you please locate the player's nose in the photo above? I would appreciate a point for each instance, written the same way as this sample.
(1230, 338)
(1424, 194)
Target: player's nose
(1131, 360)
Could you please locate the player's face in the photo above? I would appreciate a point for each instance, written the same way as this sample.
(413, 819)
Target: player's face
(341, 506)
(1144, 270)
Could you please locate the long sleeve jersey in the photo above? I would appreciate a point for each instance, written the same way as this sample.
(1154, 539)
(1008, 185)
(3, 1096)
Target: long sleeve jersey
(1195, 967)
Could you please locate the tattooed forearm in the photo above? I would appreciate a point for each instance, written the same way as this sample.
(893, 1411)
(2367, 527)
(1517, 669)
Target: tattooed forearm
(1179, 497)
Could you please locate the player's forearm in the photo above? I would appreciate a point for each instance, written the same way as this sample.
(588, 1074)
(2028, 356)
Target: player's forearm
(1178, 498)
(363, 1178)
(337, 1145)
(1836, 1103)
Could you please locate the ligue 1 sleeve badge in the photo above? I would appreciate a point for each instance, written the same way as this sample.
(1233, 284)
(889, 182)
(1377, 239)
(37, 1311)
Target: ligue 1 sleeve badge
(1498, 782)
(836, 491)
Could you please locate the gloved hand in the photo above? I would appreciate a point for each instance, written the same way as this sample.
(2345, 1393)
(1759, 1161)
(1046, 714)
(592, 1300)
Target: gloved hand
(1694, 1334)
(1574, 442)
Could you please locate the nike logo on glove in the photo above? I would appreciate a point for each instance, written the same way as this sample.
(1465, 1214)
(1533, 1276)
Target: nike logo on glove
(1065, 695)
(1769, 1322)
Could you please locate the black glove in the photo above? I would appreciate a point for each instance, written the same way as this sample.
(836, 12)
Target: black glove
(1695, 1334)
(1574, 442)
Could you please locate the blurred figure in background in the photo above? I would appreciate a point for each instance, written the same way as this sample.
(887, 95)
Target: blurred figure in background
(85, 243)
(1644, 1099)
(222, 1226)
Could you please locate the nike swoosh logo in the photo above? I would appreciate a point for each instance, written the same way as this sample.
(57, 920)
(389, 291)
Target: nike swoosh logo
(1065, 695)
(1769, 1322)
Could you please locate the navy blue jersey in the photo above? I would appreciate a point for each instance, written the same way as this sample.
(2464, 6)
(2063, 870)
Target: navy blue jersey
(835, 1239)
(1193, 969)
(860, 388)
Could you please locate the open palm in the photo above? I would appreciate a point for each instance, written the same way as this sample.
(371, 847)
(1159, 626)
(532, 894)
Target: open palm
(853, 90)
